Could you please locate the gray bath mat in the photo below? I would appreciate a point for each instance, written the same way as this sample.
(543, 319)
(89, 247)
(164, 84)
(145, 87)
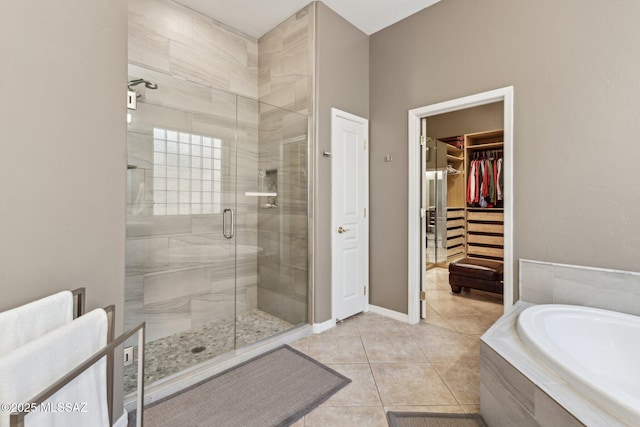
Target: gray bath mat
(426, 419)
(273, 389)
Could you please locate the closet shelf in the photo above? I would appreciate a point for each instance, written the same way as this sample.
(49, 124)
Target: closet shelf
(454, 151)
(454, 158)
(486, 146)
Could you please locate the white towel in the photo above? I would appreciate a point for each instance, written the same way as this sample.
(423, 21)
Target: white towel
(28, 370)
(20, 325)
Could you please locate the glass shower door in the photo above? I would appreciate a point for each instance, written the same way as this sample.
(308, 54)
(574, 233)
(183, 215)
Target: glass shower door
(217, 223)
(180, 247)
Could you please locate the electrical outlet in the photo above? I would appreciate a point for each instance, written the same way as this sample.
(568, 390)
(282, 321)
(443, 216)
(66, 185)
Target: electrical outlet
(128, 356)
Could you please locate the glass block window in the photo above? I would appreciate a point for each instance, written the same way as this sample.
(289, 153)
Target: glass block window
(187, 173)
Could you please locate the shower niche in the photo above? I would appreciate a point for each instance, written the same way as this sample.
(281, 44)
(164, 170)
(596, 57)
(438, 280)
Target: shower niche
(270, 200)
(267, 189)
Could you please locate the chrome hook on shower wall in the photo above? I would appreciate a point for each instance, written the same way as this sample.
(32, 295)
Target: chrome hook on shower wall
(147, 83)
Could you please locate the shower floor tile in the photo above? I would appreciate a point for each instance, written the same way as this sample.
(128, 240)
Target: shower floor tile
(172, 354)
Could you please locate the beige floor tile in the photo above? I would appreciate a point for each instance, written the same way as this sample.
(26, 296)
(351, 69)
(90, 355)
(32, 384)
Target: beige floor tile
(434, 284)
(378, 354)
(439, 275)
(392, 349)
(378, 325)
(402, 384)
(472, 325)
(299, 423)
(450, 349)
(335, 349)
(487, 308)
(348, 328)
(362, 390)
(481, 296)
(462, 379)
(439, 292)
(302, 345)
(428, 330)
(344, 416)
(433, 318)
(447, 305)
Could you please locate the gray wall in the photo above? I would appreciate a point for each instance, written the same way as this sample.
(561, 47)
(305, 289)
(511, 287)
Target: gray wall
(342, 81)
(470, 120)
(63, 161)
(576, 120)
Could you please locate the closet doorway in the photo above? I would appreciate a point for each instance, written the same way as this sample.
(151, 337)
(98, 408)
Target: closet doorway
(462, 188)
(444, 141)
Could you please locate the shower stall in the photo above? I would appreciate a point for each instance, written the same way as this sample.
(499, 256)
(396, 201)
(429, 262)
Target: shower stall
(217, 222)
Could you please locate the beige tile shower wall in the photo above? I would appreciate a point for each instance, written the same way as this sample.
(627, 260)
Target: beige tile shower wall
(285, 63)
(173, 39)
(552, 283)
(285, 81)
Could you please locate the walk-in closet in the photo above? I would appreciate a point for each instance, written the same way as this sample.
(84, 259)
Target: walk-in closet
(464, 185)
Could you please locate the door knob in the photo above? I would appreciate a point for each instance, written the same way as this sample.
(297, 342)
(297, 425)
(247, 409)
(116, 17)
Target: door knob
(342, 230)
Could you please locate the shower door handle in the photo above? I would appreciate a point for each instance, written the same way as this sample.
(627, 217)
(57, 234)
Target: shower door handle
(229, 234)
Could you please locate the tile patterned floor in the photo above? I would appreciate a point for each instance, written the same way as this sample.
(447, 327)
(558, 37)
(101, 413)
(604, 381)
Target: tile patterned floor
(433, 366)
(175, 353)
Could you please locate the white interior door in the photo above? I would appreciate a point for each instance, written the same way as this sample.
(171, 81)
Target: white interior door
(350, 223)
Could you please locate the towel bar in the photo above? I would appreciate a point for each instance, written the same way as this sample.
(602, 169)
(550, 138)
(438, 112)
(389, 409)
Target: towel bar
(80, 295)
(16, 419)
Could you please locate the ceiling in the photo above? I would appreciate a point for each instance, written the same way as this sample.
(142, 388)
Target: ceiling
(256, 17)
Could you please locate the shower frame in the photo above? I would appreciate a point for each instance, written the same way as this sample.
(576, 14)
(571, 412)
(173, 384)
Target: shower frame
(184, 378)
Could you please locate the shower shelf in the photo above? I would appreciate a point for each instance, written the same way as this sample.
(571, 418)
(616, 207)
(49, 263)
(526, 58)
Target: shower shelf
(260, 194)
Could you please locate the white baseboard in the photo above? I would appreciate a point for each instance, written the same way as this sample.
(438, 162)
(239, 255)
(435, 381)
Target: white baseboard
(402, 317)
(324, 326)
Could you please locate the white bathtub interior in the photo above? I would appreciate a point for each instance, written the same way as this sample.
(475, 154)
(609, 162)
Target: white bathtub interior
(592, 349)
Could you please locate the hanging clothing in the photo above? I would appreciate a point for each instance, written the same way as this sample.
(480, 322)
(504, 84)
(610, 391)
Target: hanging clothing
(485, 182)
(499, 180)
(471, 183)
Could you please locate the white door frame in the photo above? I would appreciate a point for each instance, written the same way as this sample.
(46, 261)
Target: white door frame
(335, 114)
(415, 269)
